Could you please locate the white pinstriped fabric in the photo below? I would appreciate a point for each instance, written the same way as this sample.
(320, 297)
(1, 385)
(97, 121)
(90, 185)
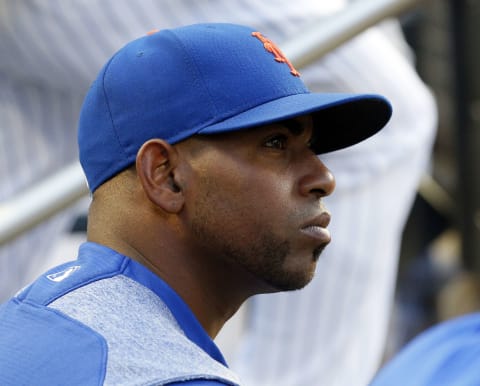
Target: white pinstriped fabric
(332, 332)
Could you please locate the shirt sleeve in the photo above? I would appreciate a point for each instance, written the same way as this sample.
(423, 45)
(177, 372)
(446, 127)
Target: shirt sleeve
(447, 354)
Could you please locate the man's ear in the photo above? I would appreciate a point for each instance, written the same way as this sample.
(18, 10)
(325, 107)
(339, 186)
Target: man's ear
(156, 165)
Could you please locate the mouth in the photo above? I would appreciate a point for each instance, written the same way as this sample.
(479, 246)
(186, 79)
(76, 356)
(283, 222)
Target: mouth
(317, 229)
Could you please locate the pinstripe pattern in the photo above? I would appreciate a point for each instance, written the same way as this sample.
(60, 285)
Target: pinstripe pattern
(33, 142)
(331, 333)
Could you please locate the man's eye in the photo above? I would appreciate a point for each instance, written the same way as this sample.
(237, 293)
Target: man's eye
(277, 142)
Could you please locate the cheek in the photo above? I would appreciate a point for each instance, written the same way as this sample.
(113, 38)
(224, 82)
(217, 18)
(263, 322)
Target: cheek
(242, 200)
(271, 199)
(262, 199)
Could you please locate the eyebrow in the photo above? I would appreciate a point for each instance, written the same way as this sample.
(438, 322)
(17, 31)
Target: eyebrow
(295, 126)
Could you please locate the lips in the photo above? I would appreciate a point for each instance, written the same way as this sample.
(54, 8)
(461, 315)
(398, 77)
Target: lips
(317, 228)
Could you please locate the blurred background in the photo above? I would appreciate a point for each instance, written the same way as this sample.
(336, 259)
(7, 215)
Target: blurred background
(440, 262)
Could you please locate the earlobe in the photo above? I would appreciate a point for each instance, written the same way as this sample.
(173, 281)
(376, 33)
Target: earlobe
(156, 165)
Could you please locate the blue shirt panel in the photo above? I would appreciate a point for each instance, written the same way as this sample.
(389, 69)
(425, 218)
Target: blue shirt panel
(31, 336)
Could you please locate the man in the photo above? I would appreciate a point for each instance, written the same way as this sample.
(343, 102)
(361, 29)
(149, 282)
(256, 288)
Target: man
(49, 53)
(200, 148)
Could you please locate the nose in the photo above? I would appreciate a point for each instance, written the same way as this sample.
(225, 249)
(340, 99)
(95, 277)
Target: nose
(318, 181)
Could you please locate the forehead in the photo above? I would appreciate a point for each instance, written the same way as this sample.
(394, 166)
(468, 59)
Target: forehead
(301, 126)
(296, 126)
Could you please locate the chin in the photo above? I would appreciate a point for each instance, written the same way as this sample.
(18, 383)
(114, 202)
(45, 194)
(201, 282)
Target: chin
(292, 281)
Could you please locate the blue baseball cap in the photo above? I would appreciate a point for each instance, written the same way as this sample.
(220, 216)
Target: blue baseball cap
(207, 79)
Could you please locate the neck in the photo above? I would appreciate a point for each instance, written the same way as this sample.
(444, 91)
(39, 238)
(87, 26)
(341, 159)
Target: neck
(212, 287)
(212, 297)
(212, 294)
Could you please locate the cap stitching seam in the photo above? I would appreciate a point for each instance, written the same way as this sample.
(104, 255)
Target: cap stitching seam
(200, 77)
(114, 128)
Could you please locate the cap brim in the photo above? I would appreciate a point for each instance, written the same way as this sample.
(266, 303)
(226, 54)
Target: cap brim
(340, 120)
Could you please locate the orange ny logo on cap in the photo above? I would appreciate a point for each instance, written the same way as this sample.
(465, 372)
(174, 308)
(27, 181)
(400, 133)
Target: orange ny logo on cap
(277, 53)
(152, 31)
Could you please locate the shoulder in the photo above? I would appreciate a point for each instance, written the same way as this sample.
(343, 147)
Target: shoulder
(85, 319)
(446, 354)
(145, 342)
(41, 345)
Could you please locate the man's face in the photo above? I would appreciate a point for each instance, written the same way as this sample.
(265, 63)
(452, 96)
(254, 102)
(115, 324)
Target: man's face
(256, 203)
